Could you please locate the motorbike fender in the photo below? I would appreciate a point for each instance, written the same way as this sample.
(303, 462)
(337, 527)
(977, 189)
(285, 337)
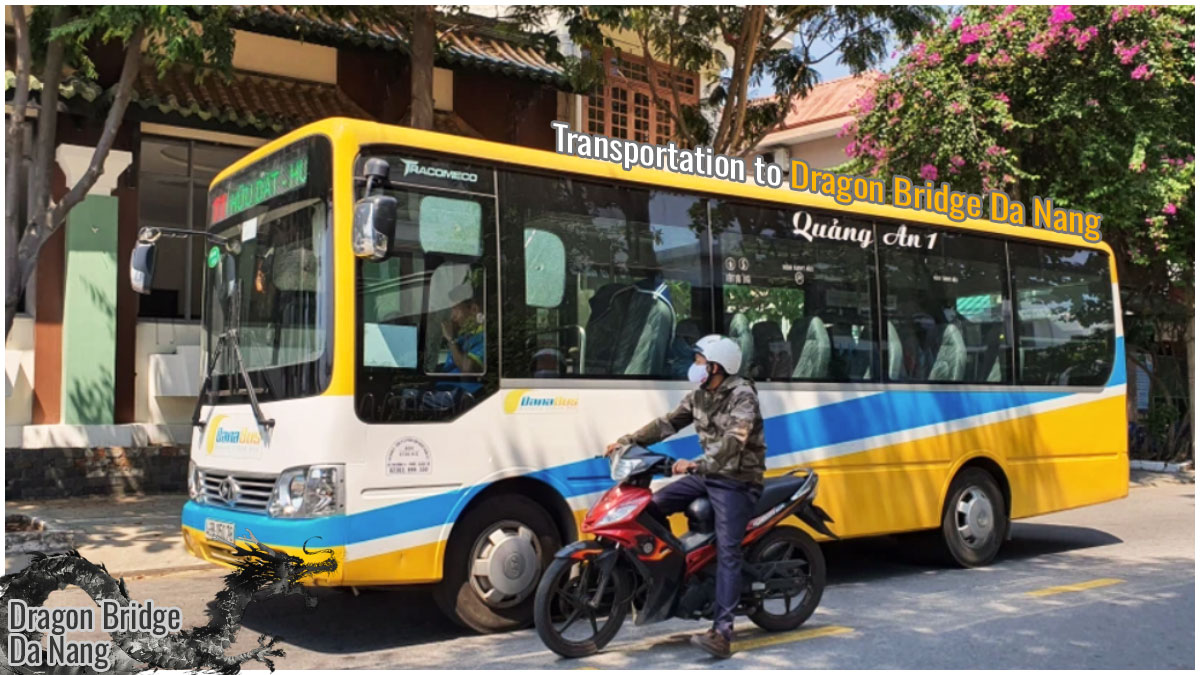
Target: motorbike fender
(815, 517)
(580, 550)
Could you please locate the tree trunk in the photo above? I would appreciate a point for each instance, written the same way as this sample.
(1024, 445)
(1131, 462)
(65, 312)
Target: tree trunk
(424, 37)
(44, 224)
(15, 164)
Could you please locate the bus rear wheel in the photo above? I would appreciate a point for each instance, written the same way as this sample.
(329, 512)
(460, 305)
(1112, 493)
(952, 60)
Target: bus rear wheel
(494, 560)
(974, 518)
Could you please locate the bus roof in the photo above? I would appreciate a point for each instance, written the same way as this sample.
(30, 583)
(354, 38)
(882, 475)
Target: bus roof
(362, 132)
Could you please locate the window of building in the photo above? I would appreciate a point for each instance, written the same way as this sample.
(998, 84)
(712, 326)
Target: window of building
(945, 305)
(173, 180)
(799, 305)
(627, 107)
(613, 281)
(1065, 324)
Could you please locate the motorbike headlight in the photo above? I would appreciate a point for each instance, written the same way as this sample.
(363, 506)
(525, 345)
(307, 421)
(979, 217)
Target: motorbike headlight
(195, 482)
(308, 491)
(618, 514)
(623, 468)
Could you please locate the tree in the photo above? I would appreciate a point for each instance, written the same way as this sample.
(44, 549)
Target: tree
(1093, 107)
(688, 38)
(423, 29)
(57, 38)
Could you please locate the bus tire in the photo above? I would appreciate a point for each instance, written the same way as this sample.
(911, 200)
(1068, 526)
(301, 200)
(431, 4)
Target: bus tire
(974, 518)
(498, 535)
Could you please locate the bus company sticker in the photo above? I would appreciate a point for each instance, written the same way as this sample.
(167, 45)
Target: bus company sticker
(408, 456)
(214, 256)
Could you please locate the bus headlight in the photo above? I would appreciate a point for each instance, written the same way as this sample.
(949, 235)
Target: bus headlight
(195, 482)
(308, 491)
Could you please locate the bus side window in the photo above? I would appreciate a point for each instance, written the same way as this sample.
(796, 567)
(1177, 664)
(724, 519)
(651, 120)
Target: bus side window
(947, 298)
(1064, 315)
(609, 273)
(800, 306)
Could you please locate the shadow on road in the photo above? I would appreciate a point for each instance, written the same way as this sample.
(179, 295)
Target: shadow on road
(877, 558)
(386, 619)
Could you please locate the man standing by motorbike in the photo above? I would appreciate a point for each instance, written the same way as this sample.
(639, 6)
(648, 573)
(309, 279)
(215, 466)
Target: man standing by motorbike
(729, 425)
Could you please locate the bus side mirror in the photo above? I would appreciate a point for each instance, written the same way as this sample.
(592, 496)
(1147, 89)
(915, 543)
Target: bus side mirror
(141, 267)
(374, 226)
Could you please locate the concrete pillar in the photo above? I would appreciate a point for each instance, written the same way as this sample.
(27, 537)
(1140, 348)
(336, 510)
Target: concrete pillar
(89, 338)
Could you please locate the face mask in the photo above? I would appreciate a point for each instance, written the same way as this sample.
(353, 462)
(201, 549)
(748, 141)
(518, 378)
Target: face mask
(698, 373)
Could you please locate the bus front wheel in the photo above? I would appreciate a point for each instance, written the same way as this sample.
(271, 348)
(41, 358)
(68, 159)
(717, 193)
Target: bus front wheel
(494, 560)
(974, 518)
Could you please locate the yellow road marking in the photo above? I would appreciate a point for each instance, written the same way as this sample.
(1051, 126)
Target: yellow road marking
(1075, 588)
(797, 636)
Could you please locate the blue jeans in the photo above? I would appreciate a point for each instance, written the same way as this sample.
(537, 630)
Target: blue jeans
(733, 507)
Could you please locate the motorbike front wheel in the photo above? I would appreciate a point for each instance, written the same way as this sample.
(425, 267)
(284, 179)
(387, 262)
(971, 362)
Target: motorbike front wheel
(796, 586)
(571, 620)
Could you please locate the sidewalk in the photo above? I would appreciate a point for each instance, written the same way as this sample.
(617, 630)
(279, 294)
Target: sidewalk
(140, 535)
(132, 536)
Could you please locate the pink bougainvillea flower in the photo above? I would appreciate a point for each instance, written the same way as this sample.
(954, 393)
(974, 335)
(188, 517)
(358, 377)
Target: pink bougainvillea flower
(934, 59)
(995, 150)
(956, 23)
(1008, 10)
(1085, 36)
(895, 101)
(1037, 49)
(1060, 14)
(957, 161)
(1002, 97)
(956, 107)
(1169, 209)
(968, 36)
(970, 60)
(928, 172)
(1091, 102)
(1142, 72)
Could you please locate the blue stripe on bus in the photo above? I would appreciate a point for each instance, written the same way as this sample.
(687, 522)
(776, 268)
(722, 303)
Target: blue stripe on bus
(850, 420)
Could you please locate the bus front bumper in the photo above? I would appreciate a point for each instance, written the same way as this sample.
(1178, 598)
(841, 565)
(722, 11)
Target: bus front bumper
(291, 536)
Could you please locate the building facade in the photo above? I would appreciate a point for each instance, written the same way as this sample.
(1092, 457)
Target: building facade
(99, 381)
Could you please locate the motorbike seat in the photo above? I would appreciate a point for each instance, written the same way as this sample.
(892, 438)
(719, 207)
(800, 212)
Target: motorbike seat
(776, 490)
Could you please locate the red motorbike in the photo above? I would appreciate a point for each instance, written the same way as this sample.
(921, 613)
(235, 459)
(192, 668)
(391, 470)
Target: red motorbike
(635, 563)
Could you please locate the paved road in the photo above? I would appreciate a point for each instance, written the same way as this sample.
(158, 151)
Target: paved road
(1109, 586)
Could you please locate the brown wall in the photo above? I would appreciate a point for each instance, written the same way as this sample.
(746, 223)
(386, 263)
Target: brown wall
(377, 81)
(506, 109)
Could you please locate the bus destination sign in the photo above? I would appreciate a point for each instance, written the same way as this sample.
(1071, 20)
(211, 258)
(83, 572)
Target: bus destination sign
(263, 181)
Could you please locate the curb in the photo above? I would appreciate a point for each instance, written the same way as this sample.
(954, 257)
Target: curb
(1158, 467)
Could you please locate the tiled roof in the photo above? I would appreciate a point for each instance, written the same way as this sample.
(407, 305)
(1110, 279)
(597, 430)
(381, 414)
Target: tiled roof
(70, 87)
(463, 44)
(262, 102)
(828, 100)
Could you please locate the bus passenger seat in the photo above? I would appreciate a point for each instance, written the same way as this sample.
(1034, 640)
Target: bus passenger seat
(772, 354)
(812, 362)
(737, 328)
(629, 331)
(895, 351)
(950, 364)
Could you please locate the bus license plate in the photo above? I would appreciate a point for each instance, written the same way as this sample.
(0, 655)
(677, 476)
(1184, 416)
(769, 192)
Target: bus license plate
(218, 530)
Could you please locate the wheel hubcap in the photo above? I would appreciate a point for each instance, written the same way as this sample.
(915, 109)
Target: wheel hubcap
(504, 563)
(974, 517)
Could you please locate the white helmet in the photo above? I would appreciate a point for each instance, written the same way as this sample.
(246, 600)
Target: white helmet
(720, 349)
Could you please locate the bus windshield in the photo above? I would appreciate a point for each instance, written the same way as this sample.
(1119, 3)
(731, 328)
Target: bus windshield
(274, 273)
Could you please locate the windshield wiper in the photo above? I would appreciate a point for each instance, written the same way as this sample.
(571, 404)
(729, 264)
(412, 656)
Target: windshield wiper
(229, 338)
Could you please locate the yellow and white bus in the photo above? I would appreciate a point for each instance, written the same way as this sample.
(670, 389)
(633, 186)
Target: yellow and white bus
(433, 382)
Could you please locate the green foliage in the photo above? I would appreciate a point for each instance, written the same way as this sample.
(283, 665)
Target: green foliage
(695, 38)
(188, 34)
(1091, 106)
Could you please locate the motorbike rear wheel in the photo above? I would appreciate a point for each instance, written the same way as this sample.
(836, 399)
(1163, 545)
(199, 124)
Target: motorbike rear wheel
(564, 602)
(788, 610)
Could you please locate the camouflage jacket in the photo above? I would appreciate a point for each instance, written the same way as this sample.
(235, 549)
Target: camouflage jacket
(729, 425)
